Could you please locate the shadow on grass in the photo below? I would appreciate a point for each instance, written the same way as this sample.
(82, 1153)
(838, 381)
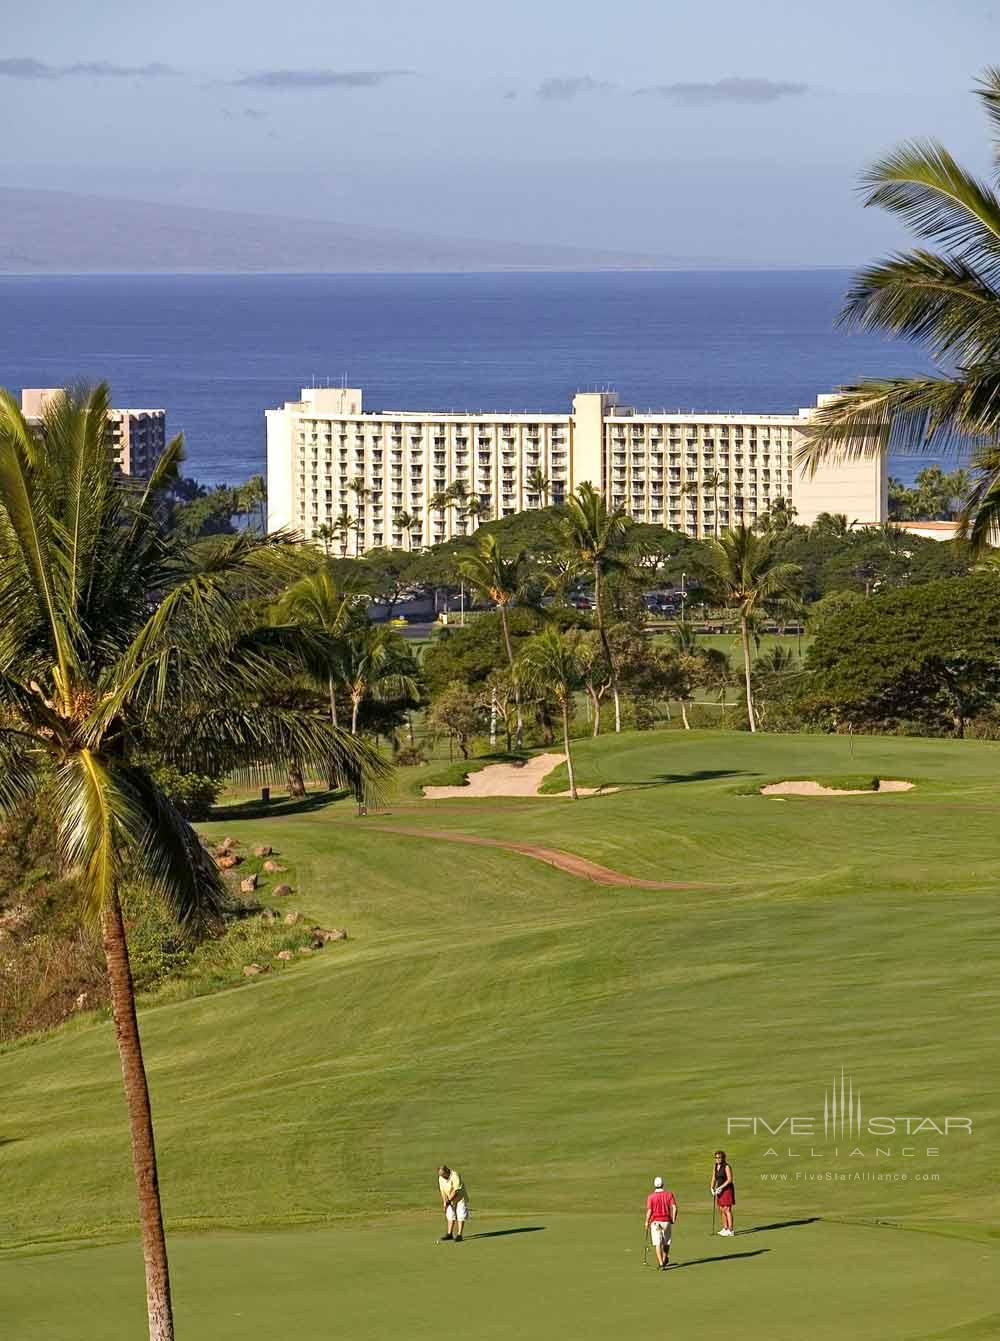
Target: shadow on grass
(502, 1233)
(672, 779)
(257, 809)
(723, 1257)
(779, 1224)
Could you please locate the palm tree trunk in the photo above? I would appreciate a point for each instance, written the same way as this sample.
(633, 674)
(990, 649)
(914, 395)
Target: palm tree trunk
(612, 668)
(140, 1117)
(519, 737)
(595, 710)
(745, 639)
(296, 782)
(331, 780)
(355, 705)
(684, 716)
(569, 752)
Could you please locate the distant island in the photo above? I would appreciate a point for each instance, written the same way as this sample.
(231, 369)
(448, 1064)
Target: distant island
(53, 232)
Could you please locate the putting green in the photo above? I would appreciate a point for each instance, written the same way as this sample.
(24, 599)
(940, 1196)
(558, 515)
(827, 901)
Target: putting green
(577, 1274)
(561, 1041)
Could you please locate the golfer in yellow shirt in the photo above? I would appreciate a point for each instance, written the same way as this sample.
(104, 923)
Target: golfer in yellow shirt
(454, 1202)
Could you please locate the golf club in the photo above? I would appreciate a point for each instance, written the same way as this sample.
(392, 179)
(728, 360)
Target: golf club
(645, 1248)
(713, 1215)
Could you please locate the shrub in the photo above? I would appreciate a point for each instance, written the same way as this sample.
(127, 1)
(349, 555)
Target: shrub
(193, 794)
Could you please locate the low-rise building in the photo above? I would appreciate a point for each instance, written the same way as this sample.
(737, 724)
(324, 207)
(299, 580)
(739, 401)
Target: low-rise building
(397, 477)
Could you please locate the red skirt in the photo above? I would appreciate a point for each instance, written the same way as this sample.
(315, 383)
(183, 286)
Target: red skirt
(727, 1197)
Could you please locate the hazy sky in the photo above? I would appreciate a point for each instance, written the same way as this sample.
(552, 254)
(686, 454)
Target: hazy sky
(728, 130)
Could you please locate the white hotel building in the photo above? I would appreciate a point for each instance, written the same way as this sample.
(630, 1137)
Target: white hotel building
(673, 470)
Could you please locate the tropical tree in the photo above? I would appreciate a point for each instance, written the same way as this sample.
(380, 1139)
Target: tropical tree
(548, 664)
(407, 523)
(475, 508)
(539, 483)
(342, 528)
(120, 641)
(316, 602)
(597, 539)
(946, 300)
(499, 579)
(712, 481)
(361, 494)
(458, 496)
(458, 713)
(743, 569)
(440, 502)
(326, 535)
(252, 498)
(375, 663)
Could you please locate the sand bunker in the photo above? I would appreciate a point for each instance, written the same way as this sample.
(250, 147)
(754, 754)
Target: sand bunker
(817, 789)
(509, 780)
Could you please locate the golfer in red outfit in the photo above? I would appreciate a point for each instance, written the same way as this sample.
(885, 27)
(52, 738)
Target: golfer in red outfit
(661, 1212)
(724, 1192)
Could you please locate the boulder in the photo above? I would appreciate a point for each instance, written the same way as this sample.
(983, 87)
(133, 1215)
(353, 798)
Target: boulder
(248, 884)
(292, 918)
(80, 1001)
(305, 950)
(263, 850)
(326, 934)
(228, 860)
(269, 915)
(272, 867)
(281, 891)
(284, 954)
(251, 970)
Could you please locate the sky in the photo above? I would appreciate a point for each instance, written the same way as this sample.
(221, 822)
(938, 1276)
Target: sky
(715, 132)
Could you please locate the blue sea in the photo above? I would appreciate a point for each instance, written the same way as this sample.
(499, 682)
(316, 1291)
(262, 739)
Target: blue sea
(216, 350)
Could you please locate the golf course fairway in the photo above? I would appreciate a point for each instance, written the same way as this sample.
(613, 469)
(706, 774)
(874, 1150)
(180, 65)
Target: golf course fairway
(560, 1041)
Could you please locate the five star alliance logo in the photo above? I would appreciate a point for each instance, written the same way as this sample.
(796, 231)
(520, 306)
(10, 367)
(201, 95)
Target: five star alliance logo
(841, 1118)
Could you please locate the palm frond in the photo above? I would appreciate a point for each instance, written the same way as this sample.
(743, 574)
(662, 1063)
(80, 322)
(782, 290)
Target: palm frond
(924, 185)
(938, 301)
(988, 89)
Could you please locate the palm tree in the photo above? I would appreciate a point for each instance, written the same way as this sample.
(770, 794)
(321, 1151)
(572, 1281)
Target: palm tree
(325, 534)
(458, 497)
(252, 497)
(120, 642)
(361, 494)
(712, 481)
(376, 663)
(948, 301)
(539, 483)
(475, 508)
(548, 663)
(500, 580)
(316, 602)
(685, 647)
(440, 502)
(598, 539)
(406, 521)
(341, 530)
(743, 569)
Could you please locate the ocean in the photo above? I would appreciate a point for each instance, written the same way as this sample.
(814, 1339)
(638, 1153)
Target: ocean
(216, 350)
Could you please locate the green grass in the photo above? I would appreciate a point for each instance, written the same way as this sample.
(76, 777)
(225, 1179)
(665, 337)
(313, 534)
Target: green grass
(560, 1042)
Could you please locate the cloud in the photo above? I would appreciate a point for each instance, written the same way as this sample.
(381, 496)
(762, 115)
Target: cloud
(558, 89)
(26, 67)
(734, 89)
(292, 79)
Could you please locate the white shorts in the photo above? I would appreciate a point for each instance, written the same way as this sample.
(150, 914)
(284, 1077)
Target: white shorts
(457, 1212)
(659, 1232)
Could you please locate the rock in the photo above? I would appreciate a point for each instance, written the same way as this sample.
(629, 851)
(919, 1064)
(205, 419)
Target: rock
(281, 891)
(292, 918)
(251, 970)
(284, 954)
(272, 867)
(305, 949)
(263, 850)
(80, 1001)
(325, 934)
(227, 861)
(230, 843)
(269, 915)
(248, 885)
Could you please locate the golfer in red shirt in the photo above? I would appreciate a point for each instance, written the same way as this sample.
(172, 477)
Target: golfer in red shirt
(661, 1212)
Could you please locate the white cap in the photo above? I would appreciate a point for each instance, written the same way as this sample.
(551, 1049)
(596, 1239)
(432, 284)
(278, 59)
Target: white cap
(657, 1182)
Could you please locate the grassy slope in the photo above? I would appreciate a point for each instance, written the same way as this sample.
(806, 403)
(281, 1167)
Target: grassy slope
(559, 1041)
